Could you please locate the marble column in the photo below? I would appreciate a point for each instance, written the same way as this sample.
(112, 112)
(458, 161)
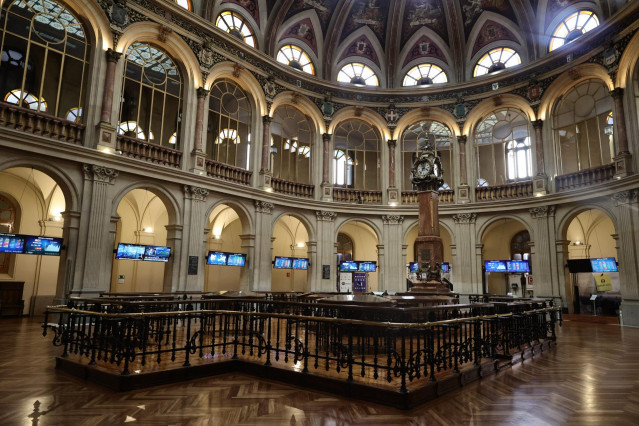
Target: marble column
(70, 234)
(466, 279)
(394, 266)
(195, 223)
(540, 180)
(107, 132)
(393, 193)
(544, 265)
(627, 210)
(327, 188)
(263, 246)
(326, 251)
(463, 189)
(623, 157)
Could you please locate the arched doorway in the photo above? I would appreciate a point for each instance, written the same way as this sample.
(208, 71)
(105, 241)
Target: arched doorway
(359, 240)
(497, 240)
(447, 242)
(290, 236)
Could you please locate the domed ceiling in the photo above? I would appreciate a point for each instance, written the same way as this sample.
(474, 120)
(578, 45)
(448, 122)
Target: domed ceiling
(393, 35)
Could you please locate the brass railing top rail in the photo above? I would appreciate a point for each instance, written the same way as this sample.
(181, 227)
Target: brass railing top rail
(62, 308)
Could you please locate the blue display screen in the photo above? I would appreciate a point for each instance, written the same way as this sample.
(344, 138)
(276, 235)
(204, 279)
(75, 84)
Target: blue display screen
(236, 259)
(606, 264)
(300, 263)
(157, 253)
(283, 263)
(367, 266)
(518, 266)
(46, 246)
(413, 267)
(495, 266)
(11, 243)
(216, 258)
(446, 267)
(130, 252)
(348, 266)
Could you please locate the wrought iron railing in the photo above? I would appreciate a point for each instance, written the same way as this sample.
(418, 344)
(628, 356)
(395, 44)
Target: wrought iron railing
(356, 196)
(148, 151)
(585, 178)
(503, 192)
(227, 172)
(39, 123)
(292, 188)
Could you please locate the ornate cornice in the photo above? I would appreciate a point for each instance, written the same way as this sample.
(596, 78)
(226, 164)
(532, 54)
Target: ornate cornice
(195, 192)
(100, 173)
(541, 212)
(263, 207)
(393, 219)
(626, 197)
(324, 215)
(465, 217)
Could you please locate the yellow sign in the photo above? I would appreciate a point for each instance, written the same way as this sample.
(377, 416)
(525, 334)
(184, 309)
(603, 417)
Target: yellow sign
(603, 281)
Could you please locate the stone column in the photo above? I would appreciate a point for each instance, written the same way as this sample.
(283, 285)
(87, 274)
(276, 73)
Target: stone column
(540, 180)
(466, 279)
(565, 286)
(194, 224)
(463, 189)
(627, 209)
(265, 172)
(198, 154)
(263, 256)
(70, 228)
(327, 188)
(544, 266)
(248, 247)
(98, 182)
(107, 131)
(394, 267)
(623, 159)
(174, 275)
(326, 251)
(381, 274)
(313, 267)
(393, 193)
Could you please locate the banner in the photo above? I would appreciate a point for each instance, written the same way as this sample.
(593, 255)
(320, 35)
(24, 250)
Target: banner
(359, 282)
(603, 282)
(345, 282)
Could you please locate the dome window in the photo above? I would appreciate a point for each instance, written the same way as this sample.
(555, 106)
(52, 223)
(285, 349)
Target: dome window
(357, 73)
(185, 4)
(234, 24)
(496, 60)
(573, 27)
(296, 58)
(424, 74)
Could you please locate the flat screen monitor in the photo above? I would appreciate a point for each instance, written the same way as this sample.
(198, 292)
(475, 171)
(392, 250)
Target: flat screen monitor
(445, 267)
(576, 266)
(606, 264)
(300, 263)
(236, 259)
(348, 266)
(11, 243)
(216, 258)
(130, 252)
(46, 246)
(283, 262)
(518, 266)
(413, 267)
(157, 253)
(495, 266)
(367, 266)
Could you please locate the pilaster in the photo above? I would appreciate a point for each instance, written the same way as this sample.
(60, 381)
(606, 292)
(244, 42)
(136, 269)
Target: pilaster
(263, 244)
(467, 279)
(394, 266)
(546, 279)
(70, 228)
(627, 208)
(326, 250)
(194, 224)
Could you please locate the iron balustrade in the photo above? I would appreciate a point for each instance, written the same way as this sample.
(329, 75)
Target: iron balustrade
(397, 355)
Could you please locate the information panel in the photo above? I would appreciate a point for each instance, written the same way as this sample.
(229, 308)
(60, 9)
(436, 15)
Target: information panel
(495, 266)
(236, 259)
(157, 253)
(348, 266)
(216, 258)
(367, 266)
(11, 243)
(129, 252)
(359, 282)
(606, 264)
(300, 263)
(283, 263)
(518, 266)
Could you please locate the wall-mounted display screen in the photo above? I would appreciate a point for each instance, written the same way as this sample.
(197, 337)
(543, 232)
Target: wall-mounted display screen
(47, 246)
(300, 263)
(130, 251)
(445, 267)
(367, 266)
(413, 267)
(348, 266)
(11, 243)
(236, 259)
(606, 264)
(495, 266)
(283, 262)
(157, 253)
(518, 266)
(216, 258)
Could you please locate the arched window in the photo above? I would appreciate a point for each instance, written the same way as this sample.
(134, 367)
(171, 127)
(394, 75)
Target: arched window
(440, 136)
(233, 23)
(344, 248)
(228, 134)
(424, 74)
(357, 73)
(185, 4)
(295, 57)
(502, 140)
(573, 27)
(291, 133)
(7, 225)
(45, 55)
(496, 60)
(359, 165)
(582, 123)
(151, 106)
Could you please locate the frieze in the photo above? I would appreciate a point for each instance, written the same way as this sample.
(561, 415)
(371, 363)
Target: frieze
(626, 197)
(195, 192)
(465, 217)
(326, 216)
(100, 173)
(263, 207)
(541, 212)
(392, 219)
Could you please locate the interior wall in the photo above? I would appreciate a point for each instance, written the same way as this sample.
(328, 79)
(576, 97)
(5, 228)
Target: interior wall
(593, 229)
(496, 240)
(143, 220)
(228, 228)
(288, 233)
(365, 243)
(41, 203)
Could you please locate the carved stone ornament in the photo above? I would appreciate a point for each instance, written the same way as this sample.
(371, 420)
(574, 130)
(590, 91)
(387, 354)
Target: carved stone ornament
(165, 31)
(99, 173)
(196, 193)
(393, 219)
(269, 88)
(263, 207)
(325, 215)
(465, 217)
(543, 211)
(206, 57)
(626, 197)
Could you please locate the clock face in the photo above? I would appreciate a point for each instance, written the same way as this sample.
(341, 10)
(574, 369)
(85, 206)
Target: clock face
(423, 169)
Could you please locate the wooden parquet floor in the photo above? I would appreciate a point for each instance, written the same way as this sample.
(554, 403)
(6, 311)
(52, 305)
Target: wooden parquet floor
(590, 378)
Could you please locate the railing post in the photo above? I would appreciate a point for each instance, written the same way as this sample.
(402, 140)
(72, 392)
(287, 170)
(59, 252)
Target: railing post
(187, 346)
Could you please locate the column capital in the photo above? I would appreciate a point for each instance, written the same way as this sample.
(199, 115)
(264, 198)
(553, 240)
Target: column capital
(100, 173)
(113, 56)
(538, 124)
(392, 143)
(392, 219)
(616, 93)
(462, 139)
(626, 197)
(541, 212)
(201, 92)
(326, 137)
(195, 193)
(324, 215)
(267, 119)
(263, 207)
(465, 217)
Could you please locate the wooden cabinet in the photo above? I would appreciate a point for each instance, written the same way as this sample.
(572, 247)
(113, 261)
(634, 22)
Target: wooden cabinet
(11, 302)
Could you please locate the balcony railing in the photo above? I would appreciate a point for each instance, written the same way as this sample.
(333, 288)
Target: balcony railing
(347, 195)
(504, 192)
(292, 188)
(585, 178)
(227, 172)
(445, 197)
(41, 124)
(142, 150)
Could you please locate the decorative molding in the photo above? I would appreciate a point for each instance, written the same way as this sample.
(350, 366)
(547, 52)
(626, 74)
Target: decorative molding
(324, 215)
(465, 217)
(196, 192)
(113, 56)
(392, 143)
(541, 212)
(538, 124)
(263, 207)
(99, 173)
(393, 219)
(616, 93)
(267, 119)
(202, 93)
(626, 197)
(462, 139)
